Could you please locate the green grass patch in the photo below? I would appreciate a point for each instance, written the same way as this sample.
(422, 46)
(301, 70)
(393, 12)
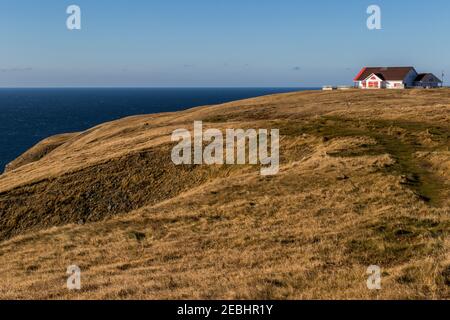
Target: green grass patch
(396, 240)
(216, 119)
(400, 139)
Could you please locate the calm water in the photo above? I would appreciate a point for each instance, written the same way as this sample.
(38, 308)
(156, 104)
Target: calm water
(30, 115)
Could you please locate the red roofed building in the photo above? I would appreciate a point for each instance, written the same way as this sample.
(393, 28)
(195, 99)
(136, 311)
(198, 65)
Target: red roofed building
(394, 78)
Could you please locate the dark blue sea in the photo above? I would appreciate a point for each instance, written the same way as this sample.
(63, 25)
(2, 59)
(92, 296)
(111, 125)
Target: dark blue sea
(30, 115)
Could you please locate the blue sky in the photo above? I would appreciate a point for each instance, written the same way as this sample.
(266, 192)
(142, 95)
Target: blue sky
(205, 43)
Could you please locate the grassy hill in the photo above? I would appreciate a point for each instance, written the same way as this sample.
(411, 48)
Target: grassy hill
(364, 180)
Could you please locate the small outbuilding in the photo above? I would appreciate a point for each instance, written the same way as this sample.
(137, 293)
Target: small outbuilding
(427, 80)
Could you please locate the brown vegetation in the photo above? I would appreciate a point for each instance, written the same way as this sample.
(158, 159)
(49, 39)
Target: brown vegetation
(364, 180)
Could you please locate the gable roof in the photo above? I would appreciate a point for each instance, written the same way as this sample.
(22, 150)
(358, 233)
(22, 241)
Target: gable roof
(422, 76)
(390, 73)
(370, 76)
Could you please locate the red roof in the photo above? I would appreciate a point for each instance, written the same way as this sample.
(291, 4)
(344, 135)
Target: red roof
(389, 74)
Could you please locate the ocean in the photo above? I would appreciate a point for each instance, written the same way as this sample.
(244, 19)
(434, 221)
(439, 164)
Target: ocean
(29, 115)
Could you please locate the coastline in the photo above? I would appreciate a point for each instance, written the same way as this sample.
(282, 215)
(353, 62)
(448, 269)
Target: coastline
(31, 115)
(352, 174)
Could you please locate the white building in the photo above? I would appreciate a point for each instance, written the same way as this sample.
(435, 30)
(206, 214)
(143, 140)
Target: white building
(394, 78)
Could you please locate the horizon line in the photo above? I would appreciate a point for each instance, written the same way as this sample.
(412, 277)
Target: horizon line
(166, 87)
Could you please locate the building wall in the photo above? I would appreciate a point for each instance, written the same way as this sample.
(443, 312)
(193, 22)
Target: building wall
(409, 79)
(427, 84)
(382, 85)
(395, 85)
(429, 81)
(372, 82)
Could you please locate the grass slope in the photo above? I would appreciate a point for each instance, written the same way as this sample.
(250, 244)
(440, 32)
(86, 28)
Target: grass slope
(364, 180)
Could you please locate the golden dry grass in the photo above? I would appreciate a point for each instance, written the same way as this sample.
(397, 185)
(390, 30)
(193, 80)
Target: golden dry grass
(364, 180)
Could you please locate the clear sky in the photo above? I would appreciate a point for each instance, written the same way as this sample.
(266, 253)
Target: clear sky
(218, 43)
